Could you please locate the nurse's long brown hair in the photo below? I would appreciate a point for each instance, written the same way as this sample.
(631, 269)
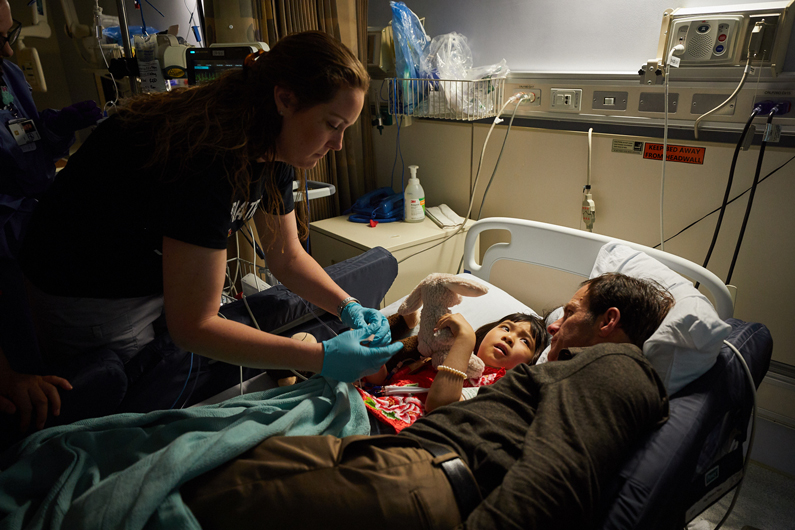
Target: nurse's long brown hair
(235, 117)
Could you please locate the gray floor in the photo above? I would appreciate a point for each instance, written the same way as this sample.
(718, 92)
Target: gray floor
(766, 502)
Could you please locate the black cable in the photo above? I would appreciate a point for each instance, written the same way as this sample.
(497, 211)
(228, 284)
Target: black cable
(753, 192)
(691, 225)
(499, 157)
(756, 111)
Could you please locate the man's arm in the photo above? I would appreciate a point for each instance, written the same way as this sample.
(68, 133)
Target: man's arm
(584, 428)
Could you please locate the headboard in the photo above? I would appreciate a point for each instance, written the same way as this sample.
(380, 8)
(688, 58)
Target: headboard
(573, 251)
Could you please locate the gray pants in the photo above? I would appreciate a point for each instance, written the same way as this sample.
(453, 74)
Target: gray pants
(67, 327)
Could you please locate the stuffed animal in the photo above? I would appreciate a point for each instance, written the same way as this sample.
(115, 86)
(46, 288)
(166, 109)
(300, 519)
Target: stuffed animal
(436, 294)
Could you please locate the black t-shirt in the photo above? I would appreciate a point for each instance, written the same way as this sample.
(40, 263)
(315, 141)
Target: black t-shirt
(99, 231)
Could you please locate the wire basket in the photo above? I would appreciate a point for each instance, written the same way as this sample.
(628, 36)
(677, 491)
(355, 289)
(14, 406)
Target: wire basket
(446, 99)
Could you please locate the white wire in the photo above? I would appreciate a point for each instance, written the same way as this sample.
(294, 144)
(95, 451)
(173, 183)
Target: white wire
(590, 149)
(461, 225)
(113, 79)
(736, 90)
(664, 155)
(751, 436)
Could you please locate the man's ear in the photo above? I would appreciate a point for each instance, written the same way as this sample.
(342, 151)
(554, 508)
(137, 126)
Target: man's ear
(609, 322)
(284, 99)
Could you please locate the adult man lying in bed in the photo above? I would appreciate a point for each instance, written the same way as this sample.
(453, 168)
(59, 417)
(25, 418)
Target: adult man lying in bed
(538, 445)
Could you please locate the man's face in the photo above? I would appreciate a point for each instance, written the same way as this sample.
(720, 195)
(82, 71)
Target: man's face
(575, 328)
(5, 24)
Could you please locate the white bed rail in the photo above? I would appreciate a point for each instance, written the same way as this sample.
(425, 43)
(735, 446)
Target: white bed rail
(573, 251)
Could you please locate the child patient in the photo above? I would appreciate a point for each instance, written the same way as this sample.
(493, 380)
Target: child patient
(413, 389)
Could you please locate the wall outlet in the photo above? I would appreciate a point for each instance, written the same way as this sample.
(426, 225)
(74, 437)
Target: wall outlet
(569, 99)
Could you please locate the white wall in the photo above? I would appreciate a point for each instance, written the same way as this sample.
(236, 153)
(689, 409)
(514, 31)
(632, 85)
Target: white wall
(553, 36)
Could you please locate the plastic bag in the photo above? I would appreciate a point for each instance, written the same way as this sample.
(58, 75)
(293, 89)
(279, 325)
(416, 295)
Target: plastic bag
(450, 60)
(411, 45)
(449, 57)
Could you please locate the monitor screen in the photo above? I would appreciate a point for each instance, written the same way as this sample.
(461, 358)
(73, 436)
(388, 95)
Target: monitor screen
(206, 64)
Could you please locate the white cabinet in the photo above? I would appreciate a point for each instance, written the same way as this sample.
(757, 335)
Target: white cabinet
(424, 246)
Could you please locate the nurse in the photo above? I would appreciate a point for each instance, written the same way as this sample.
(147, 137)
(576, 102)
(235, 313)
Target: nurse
(139, 220)
(30, 143)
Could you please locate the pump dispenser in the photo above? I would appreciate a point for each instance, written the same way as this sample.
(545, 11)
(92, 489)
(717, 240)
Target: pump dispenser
(414, 199)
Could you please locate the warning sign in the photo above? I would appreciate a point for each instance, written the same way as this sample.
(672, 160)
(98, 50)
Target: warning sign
(676, 153)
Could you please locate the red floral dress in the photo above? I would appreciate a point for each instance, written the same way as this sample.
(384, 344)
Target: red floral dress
(390, 404)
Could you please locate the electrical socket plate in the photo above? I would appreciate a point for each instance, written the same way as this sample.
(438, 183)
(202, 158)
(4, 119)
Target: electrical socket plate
(568, 99)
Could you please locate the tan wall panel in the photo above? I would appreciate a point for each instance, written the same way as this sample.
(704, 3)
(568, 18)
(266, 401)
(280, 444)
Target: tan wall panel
(541, 176)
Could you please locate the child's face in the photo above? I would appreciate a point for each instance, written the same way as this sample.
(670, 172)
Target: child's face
(508, 345)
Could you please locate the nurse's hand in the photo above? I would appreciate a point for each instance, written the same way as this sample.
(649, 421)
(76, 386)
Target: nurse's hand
(71, 119)
(346, 359)
(355, 316)
(31, 395)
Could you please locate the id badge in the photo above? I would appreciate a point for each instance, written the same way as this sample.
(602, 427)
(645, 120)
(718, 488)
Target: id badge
(24, 132)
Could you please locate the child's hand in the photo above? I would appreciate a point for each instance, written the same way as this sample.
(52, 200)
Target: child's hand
(457, 325)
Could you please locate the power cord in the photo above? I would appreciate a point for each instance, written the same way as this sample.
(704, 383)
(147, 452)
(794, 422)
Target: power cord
(751, 436)
(519, 97)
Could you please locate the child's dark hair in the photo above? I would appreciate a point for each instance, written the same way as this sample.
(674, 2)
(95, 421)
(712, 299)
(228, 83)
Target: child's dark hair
(537, 330)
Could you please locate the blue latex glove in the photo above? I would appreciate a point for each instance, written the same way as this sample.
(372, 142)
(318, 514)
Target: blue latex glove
(346, 360)
(72, 118)
(355, 316)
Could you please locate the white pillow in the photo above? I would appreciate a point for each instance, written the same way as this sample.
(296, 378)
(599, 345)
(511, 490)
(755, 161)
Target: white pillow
(690, 337)
(552, 317)
(480, 310)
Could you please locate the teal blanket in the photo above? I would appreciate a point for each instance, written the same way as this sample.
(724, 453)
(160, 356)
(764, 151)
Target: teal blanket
(124, 471)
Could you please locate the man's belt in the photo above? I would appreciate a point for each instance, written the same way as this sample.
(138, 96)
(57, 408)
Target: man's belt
(465, 488)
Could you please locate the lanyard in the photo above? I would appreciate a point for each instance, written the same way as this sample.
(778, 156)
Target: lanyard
(7, 99)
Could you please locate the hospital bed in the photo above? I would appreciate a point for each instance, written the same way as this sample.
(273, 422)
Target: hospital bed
(697, 455)
(673, 475)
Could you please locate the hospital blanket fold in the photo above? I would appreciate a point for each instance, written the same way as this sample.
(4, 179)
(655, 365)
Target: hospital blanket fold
(124, 471)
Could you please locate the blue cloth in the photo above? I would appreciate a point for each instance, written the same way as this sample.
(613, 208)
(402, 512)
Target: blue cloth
(25, 175)
(124, 471)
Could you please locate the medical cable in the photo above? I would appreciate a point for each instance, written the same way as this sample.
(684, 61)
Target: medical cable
(750, 437)
(108, 104)
(678, 48)
(521, 96)
(402, 163)
(588, 209)
(756, 29)
(499, 157)
(691, 225)
(725, 202)
(195, 380)
(762, 146)
(190, 369)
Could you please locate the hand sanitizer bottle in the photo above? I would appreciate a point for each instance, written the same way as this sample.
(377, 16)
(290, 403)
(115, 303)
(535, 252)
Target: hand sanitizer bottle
(414, 199)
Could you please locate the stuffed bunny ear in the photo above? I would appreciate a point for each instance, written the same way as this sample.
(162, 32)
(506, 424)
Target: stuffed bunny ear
(465, 286)
(412, 302)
